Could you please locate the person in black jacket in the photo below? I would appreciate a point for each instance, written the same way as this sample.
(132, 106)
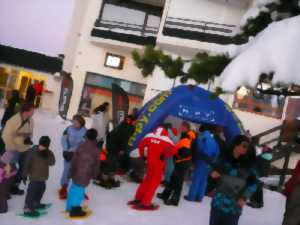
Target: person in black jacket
(11, 108)
(116, 147)
(182, 159)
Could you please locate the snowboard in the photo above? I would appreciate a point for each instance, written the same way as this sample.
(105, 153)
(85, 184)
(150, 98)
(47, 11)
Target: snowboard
(21, 214)
(88, 211)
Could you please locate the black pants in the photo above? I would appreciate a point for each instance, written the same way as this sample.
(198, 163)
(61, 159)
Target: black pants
(3, 196)
(35, 192)
(174, 187)
(19, 176)
(219, 218)
(257, 198)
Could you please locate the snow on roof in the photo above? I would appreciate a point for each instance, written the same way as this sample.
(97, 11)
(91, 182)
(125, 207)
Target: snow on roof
(275, 49)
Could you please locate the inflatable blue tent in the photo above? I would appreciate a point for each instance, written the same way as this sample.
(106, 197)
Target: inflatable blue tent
(189, 103)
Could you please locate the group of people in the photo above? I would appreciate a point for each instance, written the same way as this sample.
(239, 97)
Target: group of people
(227, 171)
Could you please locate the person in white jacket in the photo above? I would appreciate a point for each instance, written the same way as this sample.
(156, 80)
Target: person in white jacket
(100, 120)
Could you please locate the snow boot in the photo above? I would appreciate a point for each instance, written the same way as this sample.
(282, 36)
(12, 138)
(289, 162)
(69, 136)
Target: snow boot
(31, 213)
(142, 207)
(172, 201)
(63, 192)
(15, 190)
(133, 202)
(77, 212)
(114, 183)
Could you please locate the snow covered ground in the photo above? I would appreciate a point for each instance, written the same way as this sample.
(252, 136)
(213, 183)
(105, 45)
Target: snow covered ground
(110, 207)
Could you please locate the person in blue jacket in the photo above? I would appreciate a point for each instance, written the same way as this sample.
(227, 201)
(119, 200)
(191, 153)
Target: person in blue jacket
(72, 137)
(237, 182)
(205, 144)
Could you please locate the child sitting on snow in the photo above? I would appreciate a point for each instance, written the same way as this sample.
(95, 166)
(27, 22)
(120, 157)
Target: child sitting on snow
(6, 172)
(37, 164)
(84, 167)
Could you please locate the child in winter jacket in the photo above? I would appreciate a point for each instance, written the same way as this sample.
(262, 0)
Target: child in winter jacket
(6, 172)
(182, 159)
(72, 137)
(237, 182)
(84, 167)
(37, 164)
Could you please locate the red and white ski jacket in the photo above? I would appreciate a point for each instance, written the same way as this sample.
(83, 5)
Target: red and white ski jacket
(156, 146)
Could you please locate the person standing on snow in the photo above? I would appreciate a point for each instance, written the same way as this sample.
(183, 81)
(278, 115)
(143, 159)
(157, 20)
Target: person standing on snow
(84, 167)
(237, 182)
(116, 147)
(205, 144)
(17, 135)
(7, 171)
(72, 137)
(100, 121)
(37, 164)
(156, 147)
(172, 192)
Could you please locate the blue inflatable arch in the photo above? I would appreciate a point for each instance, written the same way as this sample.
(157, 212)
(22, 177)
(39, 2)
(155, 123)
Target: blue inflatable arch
(190, 103)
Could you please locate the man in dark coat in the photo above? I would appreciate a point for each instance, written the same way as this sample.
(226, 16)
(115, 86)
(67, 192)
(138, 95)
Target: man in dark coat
(84, 167)
(117, 148)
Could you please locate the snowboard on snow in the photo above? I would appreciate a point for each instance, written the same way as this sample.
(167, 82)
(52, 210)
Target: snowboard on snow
(41, 211)
(85, 208)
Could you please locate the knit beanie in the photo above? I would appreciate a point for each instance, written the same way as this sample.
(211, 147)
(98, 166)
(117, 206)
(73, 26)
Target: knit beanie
(91, 134)
(45, 141)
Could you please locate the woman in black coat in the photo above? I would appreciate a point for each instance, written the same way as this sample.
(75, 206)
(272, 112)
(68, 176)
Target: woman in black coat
(11, 107)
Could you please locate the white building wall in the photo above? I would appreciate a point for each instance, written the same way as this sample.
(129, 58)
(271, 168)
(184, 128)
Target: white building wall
(207, 10)
(90, 55)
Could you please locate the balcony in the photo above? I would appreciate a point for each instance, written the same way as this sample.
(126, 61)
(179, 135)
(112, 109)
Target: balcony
(204, 31)
(128, 21)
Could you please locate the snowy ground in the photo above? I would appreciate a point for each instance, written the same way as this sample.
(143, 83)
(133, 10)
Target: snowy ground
(110, 207)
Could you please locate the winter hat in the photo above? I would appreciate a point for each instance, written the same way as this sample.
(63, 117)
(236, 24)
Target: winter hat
(45, 141)
(91, 134)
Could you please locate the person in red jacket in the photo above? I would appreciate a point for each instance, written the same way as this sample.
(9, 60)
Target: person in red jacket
(38, 88)
(156, 147)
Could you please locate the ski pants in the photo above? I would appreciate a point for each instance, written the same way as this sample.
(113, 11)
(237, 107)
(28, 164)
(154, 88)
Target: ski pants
(75, 196)
(174, 187)
(35, 192)
(147, 188)
(65, 175)
(199, 182)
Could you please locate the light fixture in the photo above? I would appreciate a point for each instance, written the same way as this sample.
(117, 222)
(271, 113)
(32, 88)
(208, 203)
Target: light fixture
(114, 61)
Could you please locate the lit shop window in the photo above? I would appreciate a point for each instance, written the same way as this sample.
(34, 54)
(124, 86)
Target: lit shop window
(114, 61)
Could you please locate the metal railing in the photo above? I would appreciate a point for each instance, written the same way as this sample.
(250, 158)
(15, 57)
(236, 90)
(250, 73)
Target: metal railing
(200, 26)
(128, 28)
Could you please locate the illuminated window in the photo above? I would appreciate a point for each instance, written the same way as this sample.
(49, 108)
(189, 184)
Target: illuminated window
(114, 61)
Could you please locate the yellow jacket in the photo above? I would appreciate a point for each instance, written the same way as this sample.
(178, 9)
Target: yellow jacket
(14, 135)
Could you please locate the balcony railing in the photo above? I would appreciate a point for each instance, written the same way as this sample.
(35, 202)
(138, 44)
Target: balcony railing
(199, 30)
(127, 28)
(128, 21)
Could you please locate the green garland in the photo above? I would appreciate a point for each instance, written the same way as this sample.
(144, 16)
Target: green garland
(204, 67)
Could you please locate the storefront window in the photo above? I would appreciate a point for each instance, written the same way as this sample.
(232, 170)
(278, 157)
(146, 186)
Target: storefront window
(98, 87)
